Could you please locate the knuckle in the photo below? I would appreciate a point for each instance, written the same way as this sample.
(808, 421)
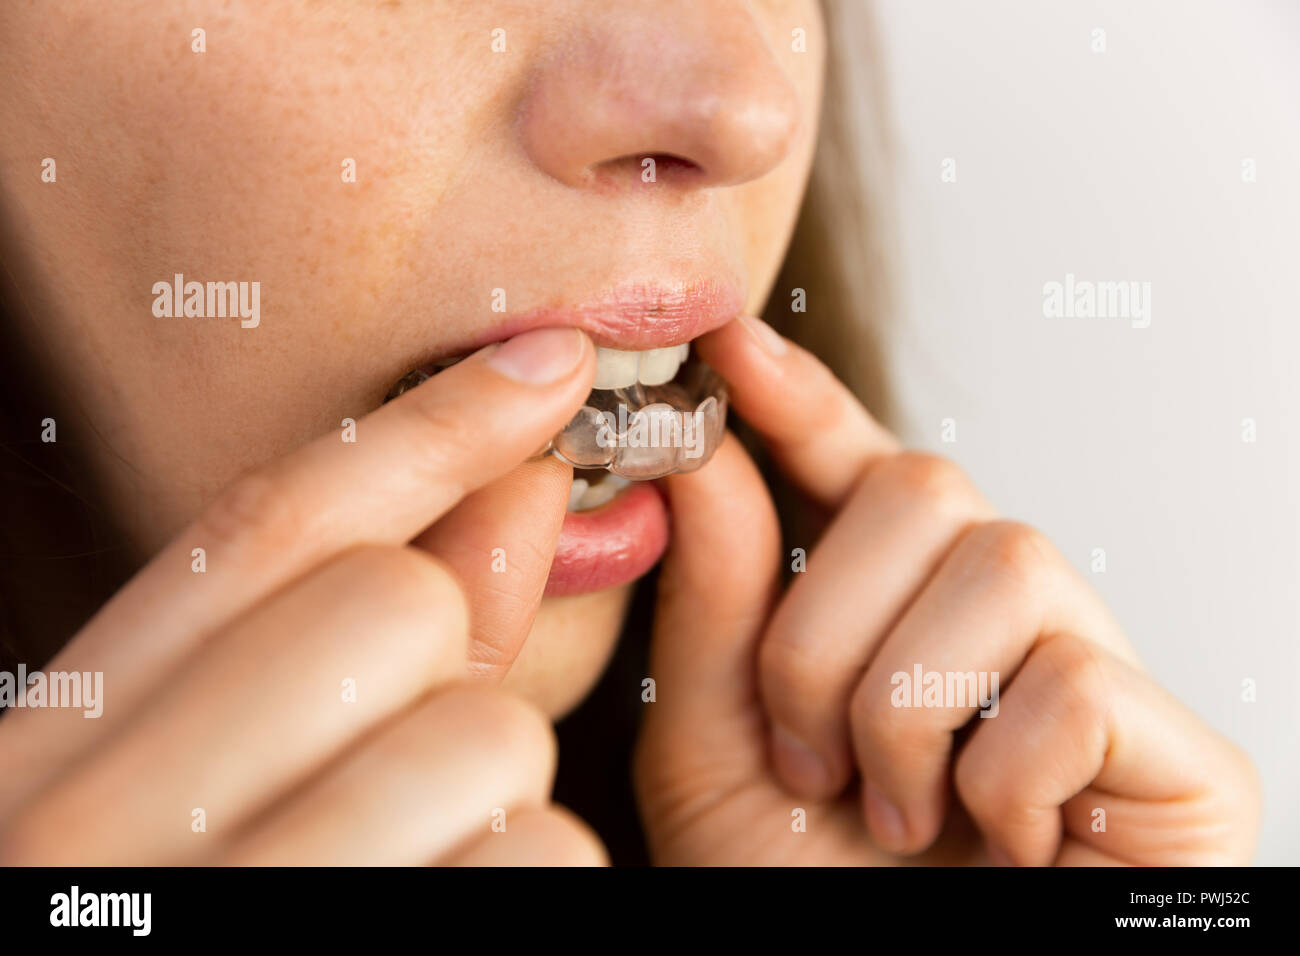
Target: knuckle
(1012, 551)
(879, 726)
(443, 432)
(1075, 674)
(937, 482)
(571, 842)
(257, 507)
(408, 577)
(787, 668)
(412, 586)
(507, 725)
(979, 789)
(1077, 669)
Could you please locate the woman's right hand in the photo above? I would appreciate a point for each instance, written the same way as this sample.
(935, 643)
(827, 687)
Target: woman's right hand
(303, 699)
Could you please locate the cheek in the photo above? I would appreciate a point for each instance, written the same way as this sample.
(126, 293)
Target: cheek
(569, 646)
(227, 165)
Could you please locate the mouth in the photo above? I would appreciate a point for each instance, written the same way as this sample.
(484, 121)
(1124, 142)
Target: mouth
(654, 410)
(649, 415)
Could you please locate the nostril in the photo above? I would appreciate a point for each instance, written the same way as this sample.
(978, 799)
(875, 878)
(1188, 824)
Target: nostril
(641, 98)
(667, 161)
(647, 168)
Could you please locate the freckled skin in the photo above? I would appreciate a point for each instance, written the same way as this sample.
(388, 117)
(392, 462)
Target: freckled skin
(474, 171)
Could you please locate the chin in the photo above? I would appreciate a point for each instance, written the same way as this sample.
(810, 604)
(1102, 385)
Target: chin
(571, 641)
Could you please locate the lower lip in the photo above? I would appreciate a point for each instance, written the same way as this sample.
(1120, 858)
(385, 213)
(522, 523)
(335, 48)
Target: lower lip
(610, 545)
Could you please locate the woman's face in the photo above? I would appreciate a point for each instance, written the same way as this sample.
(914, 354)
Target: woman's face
(405, 181)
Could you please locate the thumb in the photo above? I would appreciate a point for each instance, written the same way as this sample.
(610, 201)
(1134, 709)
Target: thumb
(500, 541)
(716, 589)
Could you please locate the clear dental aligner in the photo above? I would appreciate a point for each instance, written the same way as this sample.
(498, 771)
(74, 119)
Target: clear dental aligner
(650, 414)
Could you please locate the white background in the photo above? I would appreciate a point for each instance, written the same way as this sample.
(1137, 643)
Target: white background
(1122, 165)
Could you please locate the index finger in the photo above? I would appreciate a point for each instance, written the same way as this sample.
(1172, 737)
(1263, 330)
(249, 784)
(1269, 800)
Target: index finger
(819, 432)
(412, 460)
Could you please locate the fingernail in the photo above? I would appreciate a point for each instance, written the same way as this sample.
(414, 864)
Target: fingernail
(797, 763)
(539, 357)
(766, 336)
(884, 819)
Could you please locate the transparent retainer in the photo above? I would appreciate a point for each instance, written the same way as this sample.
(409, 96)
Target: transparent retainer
(640, 432)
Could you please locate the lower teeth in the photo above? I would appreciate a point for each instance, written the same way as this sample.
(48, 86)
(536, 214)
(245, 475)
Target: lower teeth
(592, 492)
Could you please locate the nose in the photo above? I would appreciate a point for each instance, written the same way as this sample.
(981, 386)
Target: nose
(692, 85)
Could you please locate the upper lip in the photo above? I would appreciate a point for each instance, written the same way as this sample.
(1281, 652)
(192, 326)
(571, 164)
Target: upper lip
(634, 316)
(644, 315)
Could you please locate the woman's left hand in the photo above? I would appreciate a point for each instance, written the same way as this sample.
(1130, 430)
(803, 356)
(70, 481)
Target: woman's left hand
(780, 733)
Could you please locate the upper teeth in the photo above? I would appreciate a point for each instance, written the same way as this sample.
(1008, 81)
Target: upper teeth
(616, 368)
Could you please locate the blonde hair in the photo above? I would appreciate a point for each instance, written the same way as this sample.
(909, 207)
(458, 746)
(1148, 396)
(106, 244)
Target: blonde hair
(843, 253)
